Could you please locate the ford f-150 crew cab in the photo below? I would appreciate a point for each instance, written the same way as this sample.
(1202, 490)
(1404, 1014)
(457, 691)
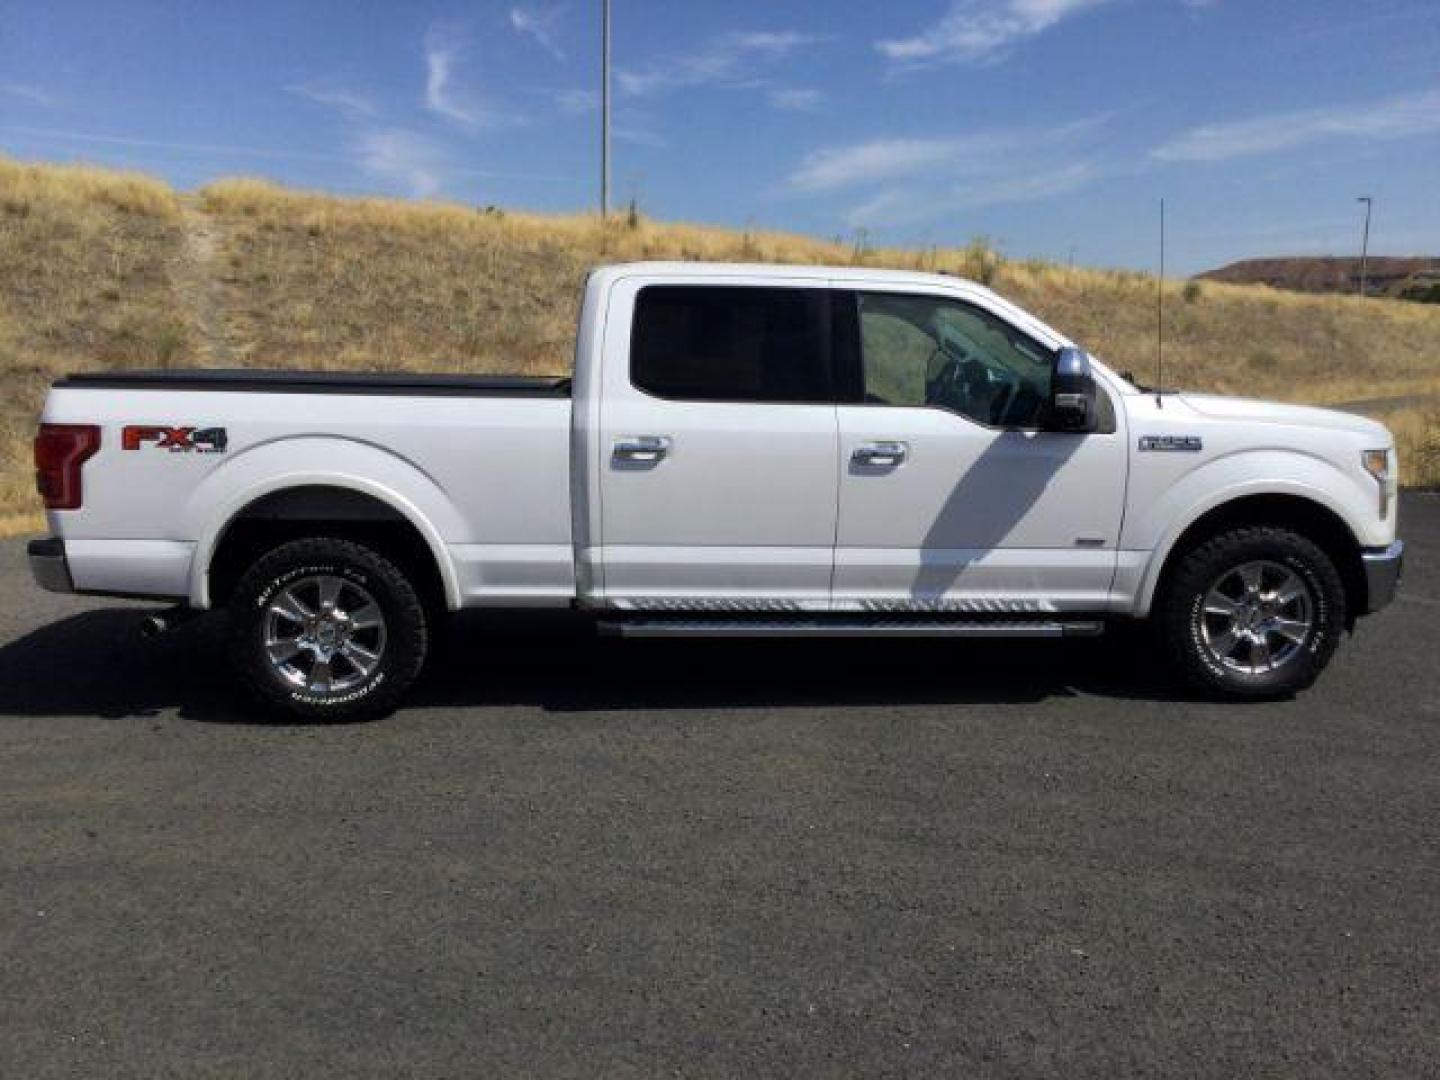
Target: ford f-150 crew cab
(743, 450)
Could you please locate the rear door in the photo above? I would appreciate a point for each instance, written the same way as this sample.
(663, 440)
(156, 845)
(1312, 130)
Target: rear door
(953, 496)
(717, 445)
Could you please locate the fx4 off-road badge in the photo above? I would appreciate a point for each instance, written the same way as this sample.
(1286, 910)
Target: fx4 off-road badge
(177, 440)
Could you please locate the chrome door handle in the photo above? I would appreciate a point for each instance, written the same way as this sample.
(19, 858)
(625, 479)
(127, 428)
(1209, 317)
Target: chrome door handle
(880, 455)
(642, 449)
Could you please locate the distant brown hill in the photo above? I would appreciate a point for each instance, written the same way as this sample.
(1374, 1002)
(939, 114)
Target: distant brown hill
(1403, 277)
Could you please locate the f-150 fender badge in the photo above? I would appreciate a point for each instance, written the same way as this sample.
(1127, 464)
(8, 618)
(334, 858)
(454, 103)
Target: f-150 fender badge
(1173, 444)
(177, 440)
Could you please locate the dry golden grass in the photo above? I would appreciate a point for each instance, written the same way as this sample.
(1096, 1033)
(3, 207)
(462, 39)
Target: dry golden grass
(101, 268)
(83, 283)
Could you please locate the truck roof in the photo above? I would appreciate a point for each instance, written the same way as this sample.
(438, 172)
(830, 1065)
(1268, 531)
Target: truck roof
(859, 275)
(774, 270)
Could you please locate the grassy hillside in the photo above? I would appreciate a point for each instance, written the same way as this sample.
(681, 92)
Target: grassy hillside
(107, 269)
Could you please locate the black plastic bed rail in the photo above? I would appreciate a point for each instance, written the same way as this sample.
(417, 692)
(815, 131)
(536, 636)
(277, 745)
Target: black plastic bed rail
(393, 384)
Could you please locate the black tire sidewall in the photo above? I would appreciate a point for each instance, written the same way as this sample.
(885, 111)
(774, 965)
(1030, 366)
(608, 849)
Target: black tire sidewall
(406, 630)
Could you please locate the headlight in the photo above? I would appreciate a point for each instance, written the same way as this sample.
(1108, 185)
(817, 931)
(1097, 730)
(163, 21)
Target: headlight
(1378, 464)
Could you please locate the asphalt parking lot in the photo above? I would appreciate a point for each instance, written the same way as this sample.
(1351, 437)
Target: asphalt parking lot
(575, 857)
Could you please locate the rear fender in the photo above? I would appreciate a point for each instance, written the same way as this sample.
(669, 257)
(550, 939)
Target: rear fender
(319, 461)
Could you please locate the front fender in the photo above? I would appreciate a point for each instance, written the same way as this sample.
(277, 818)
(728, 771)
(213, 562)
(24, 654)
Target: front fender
(323, 461)
(1157, 525)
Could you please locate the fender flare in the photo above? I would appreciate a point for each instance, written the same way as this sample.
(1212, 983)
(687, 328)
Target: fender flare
(228, 492)
(1165, 548)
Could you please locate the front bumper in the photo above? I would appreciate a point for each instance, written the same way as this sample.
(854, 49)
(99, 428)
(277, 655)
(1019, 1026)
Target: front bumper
(1383, 567)
(48, 565)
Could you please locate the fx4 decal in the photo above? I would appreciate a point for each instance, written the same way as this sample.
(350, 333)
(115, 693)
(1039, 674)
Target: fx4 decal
(177, 440)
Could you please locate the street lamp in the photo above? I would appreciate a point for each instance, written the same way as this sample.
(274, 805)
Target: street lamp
(1365, 240)
(604, 108)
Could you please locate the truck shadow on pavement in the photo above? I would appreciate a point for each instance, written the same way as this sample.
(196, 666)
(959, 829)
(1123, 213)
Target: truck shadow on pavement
(97, 664)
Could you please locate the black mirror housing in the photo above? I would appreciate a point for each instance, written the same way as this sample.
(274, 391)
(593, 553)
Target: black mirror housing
(1072, 392)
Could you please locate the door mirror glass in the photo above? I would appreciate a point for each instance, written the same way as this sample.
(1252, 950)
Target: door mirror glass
(1072, 392)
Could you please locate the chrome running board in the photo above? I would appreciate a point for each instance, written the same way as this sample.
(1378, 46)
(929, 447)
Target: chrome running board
(851, 628)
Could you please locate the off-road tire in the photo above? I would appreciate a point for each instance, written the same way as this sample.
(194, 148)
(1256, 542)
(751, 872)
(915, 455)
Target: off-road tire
(1180, 611)
(405, 628)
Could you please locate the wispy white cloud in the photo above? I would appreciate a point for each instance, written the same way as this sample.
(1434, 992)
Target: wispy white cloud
(33, 94)
(403, 158)
(883, 160)
(731, 59)
(350, 103)
(909, 206)
(904, 181)
(1393, 118)
(444, 47)
(875, 161)
(973, 31)
(795, 98)
(539, 24)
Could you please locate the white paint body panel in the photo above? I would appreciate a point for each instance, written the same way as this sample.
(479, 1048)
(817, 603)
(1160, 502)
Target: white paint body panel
(742, 505)
(485, 480)
(754, 506)
(976, 518)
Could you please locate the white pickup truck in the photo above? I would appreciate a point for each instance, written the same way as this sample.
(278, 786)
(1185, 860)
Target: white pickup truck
(743, 450)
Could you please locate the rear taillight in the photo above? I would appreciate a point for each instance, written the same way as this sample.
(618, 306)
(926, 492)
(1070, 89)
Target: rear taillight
(60, 450)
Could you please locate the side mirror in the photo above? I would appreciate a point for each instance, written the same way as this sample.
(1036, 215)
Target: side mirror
(1072, 392)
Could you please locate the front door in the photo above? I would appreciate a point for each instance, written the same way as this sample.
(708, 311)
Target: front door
(952, 494)
(717, 448)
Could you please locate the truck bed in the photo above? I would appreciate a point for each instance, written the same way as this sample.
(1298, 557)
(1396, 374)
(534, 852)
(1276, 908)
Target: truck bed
(250, 380)
(483, 461)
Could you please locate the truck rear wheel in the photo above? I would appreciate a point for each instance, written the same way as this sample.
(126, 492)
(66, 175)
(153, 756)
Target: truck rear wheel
(1255, 612)
(327, 629)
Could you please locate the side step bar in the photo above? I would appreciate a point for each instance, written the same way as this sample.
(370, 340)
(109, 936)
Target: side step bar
(851, 628)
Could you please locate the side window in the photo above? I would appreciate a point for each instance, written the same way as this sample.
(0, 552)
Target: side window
(927, 350)
(723, 343)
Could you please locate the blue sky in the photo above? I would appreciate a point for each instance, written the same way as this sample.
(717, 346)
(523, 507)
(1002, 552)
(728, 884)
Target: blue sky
(1050, 126)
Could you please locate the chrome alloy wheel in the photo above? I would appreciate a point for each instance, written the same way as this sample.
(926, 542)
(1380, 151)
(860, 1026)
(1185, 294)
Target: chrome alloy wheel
(1256, 617)
(324, 634)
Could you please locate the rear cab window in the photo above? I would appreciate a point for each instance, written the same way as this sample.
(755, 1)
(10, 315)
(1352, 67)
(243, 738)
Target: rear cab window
(732, 343)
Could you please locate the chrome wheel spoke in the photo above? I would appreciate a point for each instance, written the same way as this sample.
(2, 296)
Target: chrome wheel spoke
(283, 650)
(367, 618)
(289, 606)
(360, 656)
(1252, 574)
(321, 678)
(1259, 653)
(1291, 629)
(1225, 644)
(1290, 590)
(329, 589)
(1217, 603)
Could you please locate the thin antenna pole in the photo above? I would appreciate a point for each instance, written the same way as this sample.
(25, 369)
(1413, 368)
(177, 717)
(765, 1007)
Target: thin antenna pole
(1160, 315)
(1365, 242)
(604, 108)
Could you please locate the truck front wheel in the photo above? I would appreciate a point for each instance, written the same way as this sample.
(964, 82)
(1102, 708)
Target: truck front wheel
(325, 629)
(1253, 612)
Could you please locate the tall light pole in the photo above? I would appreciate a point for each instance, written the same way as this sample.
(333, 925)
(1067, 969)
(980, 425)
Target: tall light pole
(604, 108)
(1364, 240)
